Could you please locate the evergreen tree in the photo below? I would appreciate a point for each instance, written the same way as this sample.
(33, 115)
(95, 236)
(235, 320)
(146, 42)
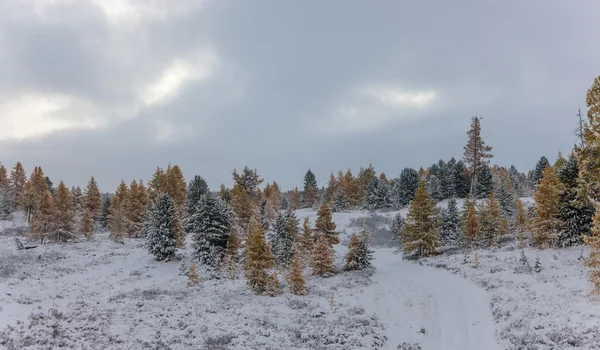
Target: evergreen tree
(258, 257)
(249, 180)
(310, 189)
(17, 180)
(161, 236)
(359, 255)
(593, 242)
(504, 191)
(471, 224)
(576, 210)
(285, 230)
(116, 220)
(332, 188)
(326, 226)
(77, 197)
(50, 185)
(321, 260)
(477, 155)
(365, 176)
(521, 223)
(340, 201)
(242, 205)
(449, 230)
(105, 213)
(294, 277)
(33, 191)
(5, 202)
(490, 222)
(4, 179)
(560, 162)
(461, 179)
(539, 169)
(546, 223)
(210, 225)
(377, 195)
(420, 236)
(485, 183)
(397, 225)
(195, 190)
(91, 199)
(404, 189)
(225, 194)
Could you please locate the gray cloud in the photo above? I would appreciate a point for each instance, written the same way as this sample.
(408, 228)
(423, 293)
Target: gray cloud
(214, 85)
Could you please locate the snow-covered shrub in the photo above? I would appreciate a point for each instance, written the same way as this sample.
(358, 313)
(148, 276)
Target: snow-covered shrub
(379, 229)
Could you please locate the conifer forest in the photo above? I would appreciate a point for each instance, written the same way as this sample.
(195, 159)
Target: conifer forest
(468, 252)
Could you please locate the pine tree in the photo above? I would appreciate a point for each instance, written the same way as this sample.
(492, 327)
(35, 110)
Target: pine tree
(471, 224)
(321, 260)
(340, 201)
(377, 195)
(310, 189)
(490, 222)
(17, 181)
(294, 277)
(359, 255)
(593, 242)
(105, 213)
(521, 223)
(546, 224)
(65, 216)
(576, 210)
(161, 236)
(210, 226)
(484, 185)
(44, 223)
(477, 153)
(419, 235)
(258, 257)
(326, 226)
(449, 230)
(91, 199)
(542, 164)
(86, 226)
(404, 189)
(116, 221)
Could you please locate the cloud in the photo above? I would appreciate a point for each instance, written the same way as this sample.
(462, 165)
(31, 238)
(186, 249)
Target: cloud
(399, 99)
(134, 12)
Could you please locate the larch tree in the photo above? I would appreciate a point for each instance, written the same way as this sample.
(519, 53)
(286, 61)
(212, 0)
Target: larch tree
(325, 224)
(306, 241)
(589, 152)
(210, 227)
(295, 278)
(477, 153)
(17, 181)
(86, 225)
(33, 192)
(242, 205)
(91, 199)
(420, 235)
(471, 225)
(176, 185)
(545, 224)
(249, 180)
(295, 198)
(134, 208)
(593, 260)
(158, 184)
(560, 161)
(116, 222)
(352, 188)
(65, 216)
(5, 201)
(490, 222)
(161, 236)
(258, 257)
(321, 259)
(332, 187)
(521, 223)
(44, 223)
(359, 254)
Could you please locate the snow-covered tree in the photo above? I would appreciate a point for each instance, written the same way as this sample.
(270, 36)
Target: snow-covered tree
(210, 226)
(105, 212)
(377, 195)
(116, 222)
(521, 223)
(44, 222)
(490, 222)
(91, 199)
(17, 181)
(477, 155)
(285, 230)
(294, 277)
(470, 224)
(321, 260)
(404, 188)
(359, 255)
(195, 190)
(539, 169)
(419, 235)
(258, 257)
(340, 201)
(249, 181)
(325, 224)
(161, 236)
(485, 184)
(545, 224)
(397, 224)
(449, 229)
(86, 225)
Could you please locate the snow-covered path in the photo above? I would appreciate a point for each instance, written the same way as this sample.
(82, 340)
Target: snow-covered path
(409, 299)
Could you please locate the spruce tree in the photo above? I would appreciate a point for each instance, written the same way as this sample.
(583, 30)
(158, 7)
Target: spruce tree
(484, 185)
(397, 225)
(195, 190)
(210, 226)
(77, 197)
(105, 213)
(576, 210)
(539, 169)
(477, 154)
(225, 194)
(340, 201)
(546, 223)
(321, 259)
(50, 185)
(91, 199)
(161, 236)
(285, 230)
(449, 230)
(419, 235)
(404, 188)
(359, 255)
(461, 179)
(325, 224)
(294, 277)
(258, 257)
(593, 261)
(378, 195)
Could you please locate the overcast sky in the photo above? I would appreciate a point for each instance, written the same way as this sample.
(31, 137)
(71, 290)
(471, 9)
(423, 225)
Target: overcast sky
(114, 88)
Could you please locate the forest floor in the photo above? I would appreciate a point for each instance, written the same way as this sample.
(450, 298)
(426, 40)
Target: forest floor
(102, 295)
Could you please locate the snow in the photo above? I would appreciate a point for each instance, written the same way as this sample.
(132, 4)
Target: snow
(103, 295)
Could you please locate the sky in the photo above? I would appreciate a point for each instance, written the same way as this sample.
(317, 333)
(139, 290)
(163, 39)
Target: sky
(115, 88)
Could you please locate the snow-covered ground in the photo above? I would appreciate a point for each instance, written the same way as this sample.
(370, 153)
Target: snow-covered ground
(101, 295)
